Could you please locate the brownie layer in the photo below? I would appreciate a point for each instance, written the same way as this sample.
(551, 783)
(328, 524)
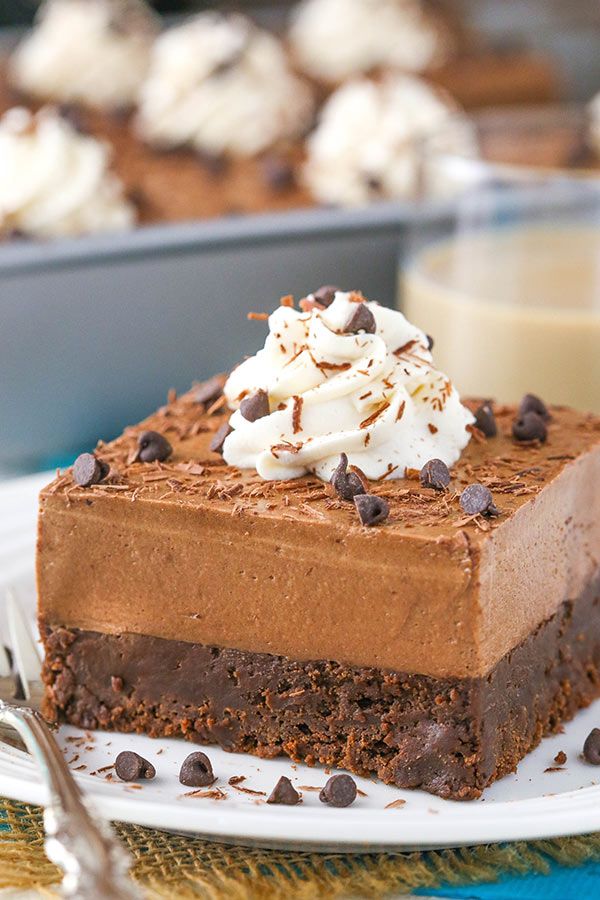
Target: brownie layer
(451, 737)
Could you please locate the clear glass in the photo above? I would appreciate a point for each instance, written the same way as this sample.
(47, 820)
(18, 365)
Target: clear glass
(504, 268)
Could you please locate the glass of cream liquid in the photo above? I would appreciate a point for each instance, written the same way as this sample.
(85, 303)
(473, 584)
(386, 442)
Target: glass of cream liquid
(503, 269)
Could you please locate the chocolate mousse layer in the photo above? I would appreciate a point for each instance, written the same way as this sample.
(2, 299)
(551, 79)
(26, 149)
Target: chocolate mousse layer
(190, 549)
(449, 736)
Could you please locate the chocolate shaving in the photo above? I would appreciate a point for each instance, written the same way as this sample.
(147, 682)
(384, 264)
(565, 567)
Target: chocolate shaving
(297, 414)
(395, 804)
(375, 415)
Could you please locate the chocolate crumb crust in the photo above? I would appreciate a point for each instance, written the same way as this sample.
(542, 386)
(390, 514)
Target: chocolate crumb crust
(451, 736)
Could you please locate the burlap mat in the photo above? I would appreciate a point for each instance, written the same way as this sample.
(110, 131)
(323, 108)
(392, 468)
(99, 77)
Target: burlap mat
(168, 865)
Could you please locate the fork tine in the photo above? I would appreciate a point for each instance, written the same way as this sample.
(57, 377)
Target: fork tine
(4, 662)
(27, 662)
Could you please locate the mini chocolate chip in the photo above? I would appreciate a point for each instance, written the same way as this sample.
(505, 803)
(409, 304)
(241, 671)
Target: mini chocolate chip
(325, 295)
(346, 484)
(256, 406)
(374, 183)
(130, 766)
(371, 509)
(88, 470)
(214, 163)
(485, 420)
(153, 447)
(340, 791)
(196, 770)
(210, 391)
(531, 403)
(218, 439)
(277, 172)
(430, 342)
(591, 747)
(476, 499)
(362, 319)
(284, 793)
(435, 474)
(529, 426)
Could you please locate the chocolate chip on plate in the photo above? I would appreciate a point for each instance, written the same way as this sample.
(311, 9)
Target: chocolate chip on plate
(218, 439)
(476, 499)
(529, 426)
(152, 447)
(325, 295)
(371, 509)
(256, 406)
(340, 791)
(362, 319)
(591, 747)
(430, 342)
(210, 391)
(531, 403)
(284, 793)
(130, 766)
(88, 470)
(435, 474)
(196, 770)
(278, 172)
(485, 420)
(346, 484)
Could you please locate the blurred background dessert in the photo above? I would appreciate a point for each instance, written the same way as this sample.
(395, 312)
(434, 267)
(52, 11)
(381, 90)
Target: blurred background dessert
(54, 181)
(93, 52)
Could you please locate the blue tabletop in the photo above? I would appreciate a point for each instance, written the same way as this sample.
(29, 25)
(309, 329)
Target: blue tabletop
(562, 883)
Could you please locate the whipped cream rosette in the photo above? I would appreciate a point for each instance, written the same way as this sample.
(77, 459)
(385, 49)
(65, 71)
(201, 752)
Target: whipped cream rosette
(367, 142)
(335, 39)
(93, 52)
(354, 378)
(221, 85)
(54, 181)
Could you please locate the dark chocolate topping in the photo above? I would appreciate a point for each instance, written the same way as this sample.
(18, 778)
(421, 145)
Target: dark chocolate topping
(339, 791)
(529, 426)
(218, 439)
(325, 295)
(362, 319)
(531, 403)
(196, 770)
(284, 793)
(435, 474)
(476, 499)
(591, 747)
(371, 509)
(153, 447)
(130, 766)
(485, 420)
(256, 406)
(88, 470)
(210, 391)
(346, 484)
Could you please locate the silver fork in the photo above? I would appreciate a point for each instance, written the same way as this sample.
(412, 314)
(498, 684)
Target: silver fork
(77, 839)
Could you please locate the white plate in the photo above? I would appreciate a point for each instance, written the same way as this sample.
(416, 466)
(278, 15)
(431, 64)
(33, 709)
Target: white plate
(531, 804)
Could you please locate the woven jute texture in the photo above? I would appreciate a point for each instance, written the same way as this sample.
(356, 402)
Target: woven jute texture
(167, 865)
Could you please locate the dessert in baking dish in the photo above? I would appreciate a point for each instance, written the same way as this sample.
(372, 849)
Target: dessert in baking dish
(329, 556)
(56, 182)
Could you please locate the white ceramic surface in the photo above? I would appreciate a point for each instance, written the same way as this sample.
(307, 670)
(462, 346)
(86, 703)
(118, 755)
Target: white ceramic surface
(534, 803)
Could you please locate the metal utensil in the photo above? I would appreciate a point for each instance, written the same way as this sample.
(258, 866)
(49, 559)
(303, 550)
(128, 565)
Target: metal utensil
(77, 839)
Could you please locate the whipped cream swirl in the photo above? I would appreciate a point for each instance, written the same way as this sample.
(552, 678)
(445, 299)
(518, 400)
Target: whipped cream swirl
(221, 85)
(93, 52)
(375, 396)
(366, 145)
(55, 182)
(335, 39)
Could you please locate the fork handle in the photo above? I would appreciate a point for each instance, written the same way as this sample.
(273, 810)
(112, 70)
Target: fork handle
(94, 864)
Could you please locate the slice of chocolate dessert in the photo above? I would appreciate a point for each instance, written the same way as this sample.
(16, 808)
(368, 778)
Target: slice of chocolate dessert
(352, 569)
